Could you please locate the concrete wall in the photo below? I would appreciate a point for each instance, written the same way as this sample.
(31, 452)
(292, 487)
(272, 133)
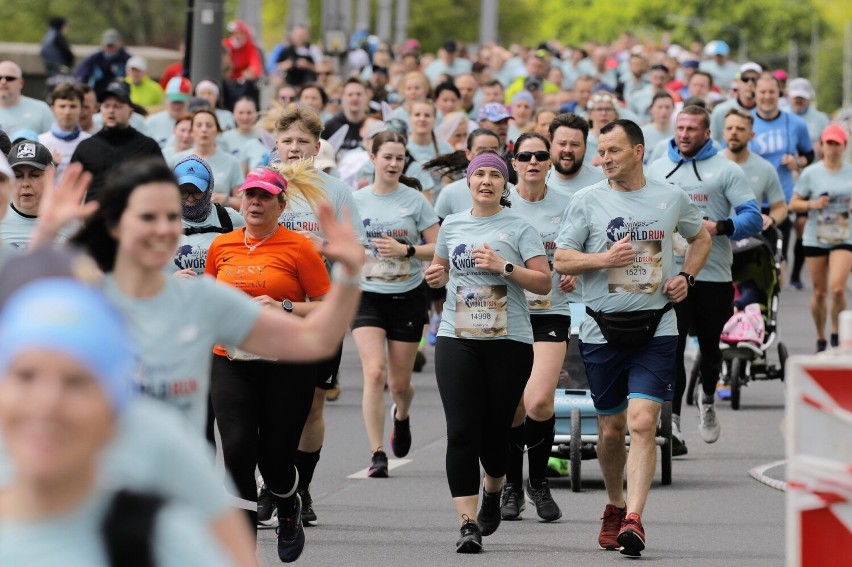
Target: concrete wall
(27, 56)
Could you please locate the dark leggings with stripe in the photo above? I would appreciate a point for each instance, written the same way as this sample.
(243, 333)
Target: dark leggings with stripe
(481, 383)
(260, 409)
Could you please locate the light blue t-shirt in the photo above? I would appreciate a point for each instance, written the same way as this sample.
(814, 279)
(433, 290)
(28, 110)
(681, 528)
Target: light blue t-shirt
(16, 229)
(598, 216)
(75, 538)
(481, 304)
(546, 217)
(28, 114)
(227, 172)
(652, 138)
(784, 134)
(151, 439)
(586, 176)
(245, 147)
(403, 214)
(174, 333)
(160, 126)
(722, 187)
(763, 180)
(299, 216)
(828, 227)
(192, 249)
(453, 198)
(226, 119)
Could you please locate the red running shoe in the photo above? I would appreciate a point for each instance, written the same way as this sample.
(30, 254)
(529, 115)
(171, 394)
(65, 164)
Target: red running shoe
(610, 526)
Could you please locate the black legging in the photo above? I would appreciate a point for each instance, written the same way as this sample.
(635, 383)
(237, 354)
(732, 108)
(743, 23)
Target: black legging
(260, 409)
(481, 383)
(706, 309)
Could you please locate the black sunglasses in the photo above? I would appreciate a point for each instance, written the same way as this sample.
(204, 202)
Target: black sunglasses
(749, 79)
(9, 78)
(540, 155)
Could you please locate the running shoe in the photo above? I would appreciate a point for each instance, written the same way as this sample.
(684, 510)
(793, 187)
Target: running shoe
(309, 517)
(708, 426)
(512, 502)
(379, 466)
(538, 490)
(333, 393)
(291, 534)
(419, 361)
(796, 284)
(821, 345)
(266, 510)
(489, 518)
(471, 538)
(678, 444)
(400, 437)
(723, 390)
(632, 536)
(611, 522)
(557, 467)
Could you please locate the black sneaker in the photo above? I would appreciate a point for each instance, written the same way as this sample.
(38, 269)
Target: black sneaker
(266, 516)
(489, 518)
(539, 492)
(291, 535)
(419, 361)
(309, 517)
(400, 438)
(512, 503)
(379, 466)
(471, 538)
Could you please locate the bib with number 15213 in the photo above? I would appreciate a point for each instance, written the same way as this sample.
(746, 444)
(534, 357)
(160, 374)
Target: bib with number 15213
(644, 275)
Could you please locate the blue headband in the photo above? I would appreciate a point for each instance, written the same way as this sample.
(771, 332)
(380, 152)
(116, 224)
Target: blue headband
(66, 316)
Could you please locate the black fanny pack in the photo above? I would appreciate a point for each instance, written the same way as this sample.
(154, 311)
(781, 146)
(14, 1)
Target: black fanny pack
(629, 328)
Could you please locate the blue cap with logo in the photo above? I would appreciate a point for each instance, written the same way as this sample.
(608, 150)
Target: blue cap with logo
(193, 170)
(493, 112)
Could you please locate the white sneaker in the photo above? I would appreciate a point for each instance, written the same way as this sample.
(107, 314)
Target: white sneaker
(678, 444)
(708, 425)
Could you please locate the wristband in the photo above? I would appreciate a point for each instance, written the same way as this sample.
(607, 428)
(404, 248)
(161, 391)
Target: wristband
(410, 252)
(725, 227)
(339, 276)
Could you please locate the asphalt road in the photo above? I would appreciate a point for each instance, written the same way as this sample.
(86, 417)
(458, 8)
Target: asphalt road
(713, 513)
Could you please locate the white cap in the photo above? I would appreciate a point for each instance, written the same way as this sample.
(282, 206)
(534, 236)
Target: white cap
(137, 62)
(800, 88)
(750, 66)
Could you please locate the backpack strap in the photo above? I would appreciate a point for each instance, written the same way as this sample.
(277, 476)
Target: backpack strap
(225, 223)
(128, 529)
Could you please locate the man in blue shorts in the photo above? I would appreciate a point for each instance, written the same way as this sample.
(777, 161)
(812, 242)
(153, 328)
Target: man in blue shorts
(617, 234)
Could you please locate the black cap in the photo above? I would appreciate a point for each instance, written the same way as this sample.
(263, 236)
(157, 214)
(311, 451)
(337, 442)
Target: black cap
(450, 46)
(116, 89)
(5, 142)
(30, 153)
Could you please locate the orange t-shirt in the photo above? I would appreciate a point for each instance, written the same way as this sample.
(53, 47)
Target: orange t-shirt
(287, 266)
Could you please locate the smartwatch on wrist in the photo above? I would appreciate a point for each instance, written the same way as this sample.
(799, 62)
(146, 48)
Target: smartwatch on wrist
(508, 270)
(410, 252)
(287, 306)
(690, 279)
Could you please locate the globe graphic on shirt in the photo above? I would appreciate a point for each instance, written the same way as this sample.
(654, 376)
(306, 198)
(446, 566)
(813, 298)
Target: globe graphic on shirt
(615, 228)
(184, 256)
(458, 253)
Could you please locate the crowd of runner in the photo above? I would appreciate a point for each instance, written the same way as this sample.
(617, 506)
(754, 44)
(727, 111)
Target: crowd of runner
(180, 264)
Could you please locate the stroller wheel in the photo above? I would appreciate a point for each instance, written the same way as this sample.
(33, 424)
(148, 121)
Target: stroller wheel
(782, 359)
(737, 380)
(694, 380)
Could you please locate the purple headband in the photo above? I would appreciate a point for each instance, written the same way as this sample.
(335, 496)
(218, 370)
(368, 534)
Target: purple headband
(488, 159)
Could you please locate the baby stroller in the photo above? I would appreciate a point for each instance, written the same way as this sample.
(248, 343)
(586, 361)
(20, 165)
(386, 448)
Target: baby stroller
(756, 270)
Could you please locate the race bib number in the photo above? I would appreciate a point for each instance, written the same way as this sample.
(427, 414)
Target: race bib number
(386, 269)
(538, 302)
(644, 275)
(481, 311)
(832, 228)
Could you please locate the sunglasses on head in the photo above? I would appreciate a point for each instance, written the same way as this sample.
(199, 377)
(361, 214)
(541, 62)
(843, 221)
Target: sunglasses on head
(540, 155)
